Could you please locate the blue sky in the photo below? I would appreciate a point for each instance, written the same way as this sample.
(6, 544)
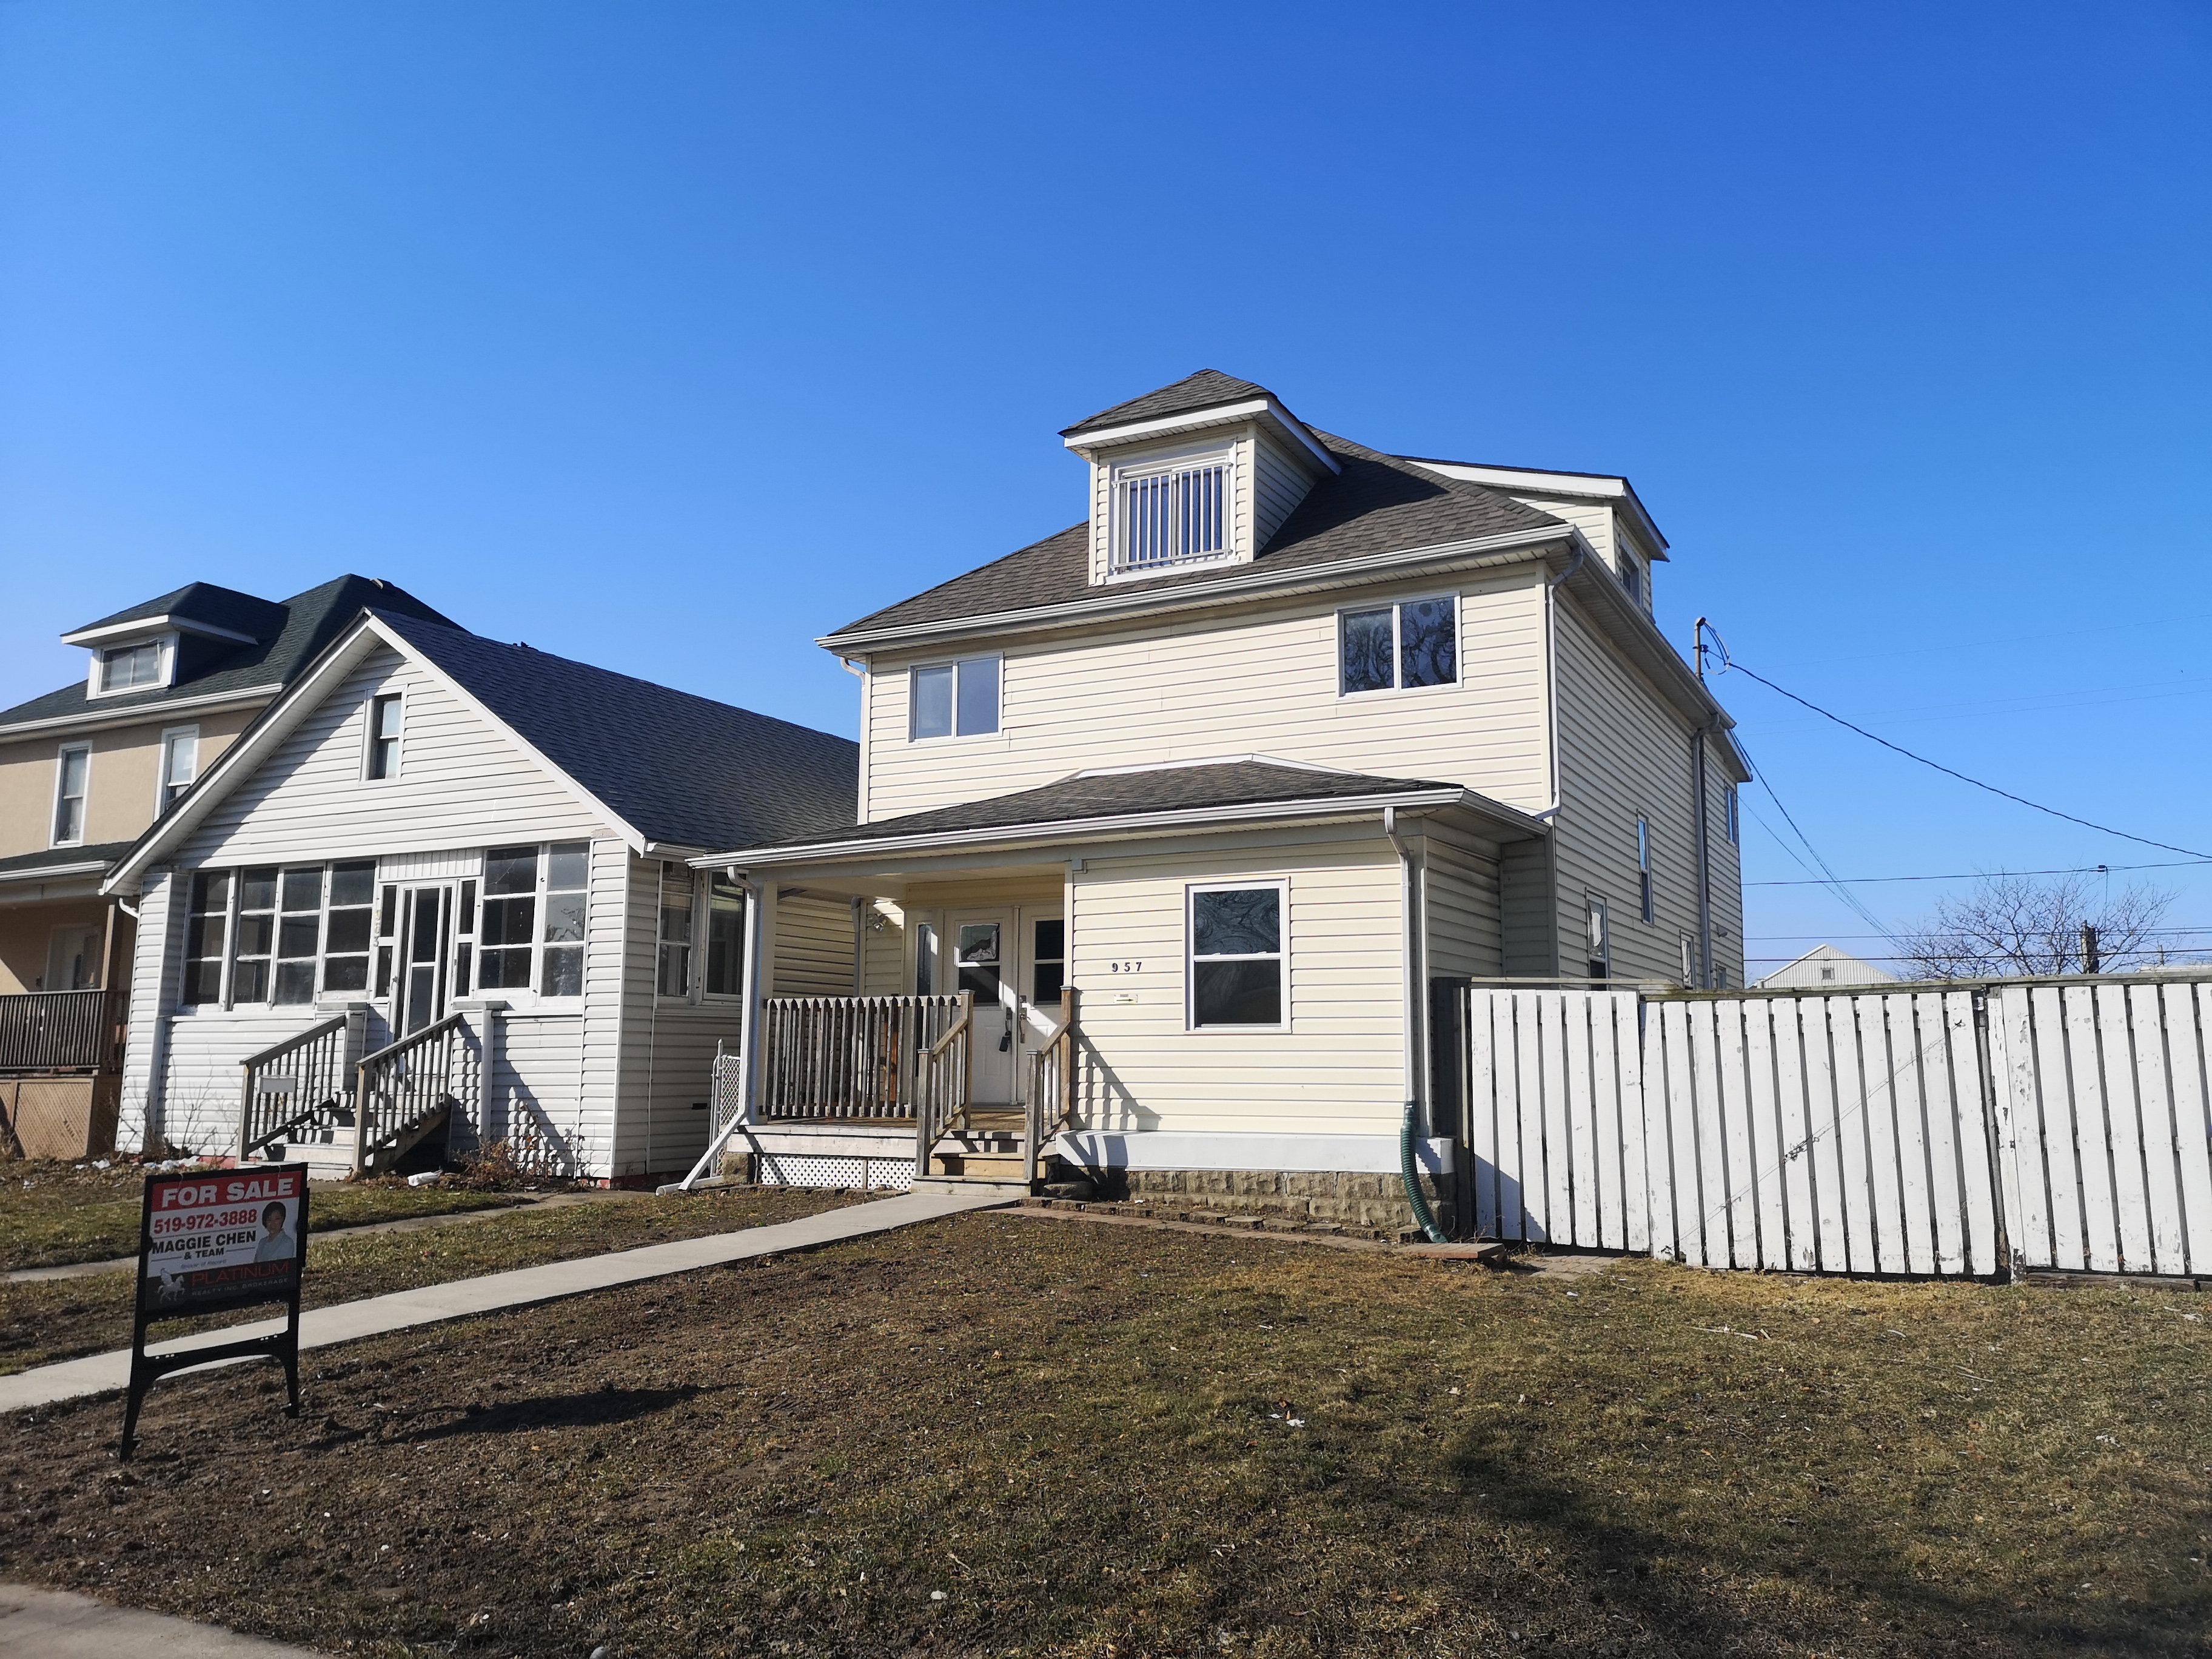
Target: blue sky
(669, 337)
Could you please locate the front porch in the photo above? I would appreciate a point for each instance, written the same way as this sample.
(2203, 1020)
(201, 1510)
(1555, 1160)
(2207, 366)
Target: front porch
(883, 1091)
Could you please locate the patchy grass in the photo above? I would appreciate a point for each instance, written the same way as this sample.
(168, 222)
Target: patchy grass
(1114, 1442)
(55, 1213)
(60, 1319)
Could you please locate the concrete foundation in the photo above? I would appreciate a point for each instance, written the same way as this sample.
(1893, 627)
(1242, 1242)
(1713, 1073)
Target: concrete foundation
(1359, 1202)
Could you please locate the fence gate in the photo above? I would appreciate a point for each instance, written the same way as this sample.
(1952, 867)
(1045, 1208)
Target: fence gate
(1908, 1131)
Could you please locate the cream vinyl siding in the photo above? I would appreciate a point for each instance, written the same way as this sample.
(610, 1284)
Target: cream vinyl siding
(1262, 681)
(1279, 484)
(1465, 921)
(1338, 1069)
(1528, 942)
(462, 783)
(1727, 879)
(883, 949)
(668, 1042)
(1623, 754)
(1592, 518)
(813, 946)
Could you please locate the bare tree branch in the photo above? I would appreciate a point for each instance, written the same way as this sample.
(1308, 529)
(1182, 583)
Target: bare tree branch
(2023, 926)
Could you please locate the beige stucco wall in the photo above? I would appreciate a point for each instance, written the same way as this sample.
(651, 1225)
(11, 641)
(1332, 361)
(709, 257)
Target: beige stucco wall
(120, 786)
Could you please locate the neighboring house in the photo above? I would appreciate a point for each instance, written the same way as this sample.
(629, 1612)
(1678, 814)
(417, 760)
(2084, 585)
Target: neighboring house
(1825, 967)
(460, 866)
(1283, 733)
(168, 686)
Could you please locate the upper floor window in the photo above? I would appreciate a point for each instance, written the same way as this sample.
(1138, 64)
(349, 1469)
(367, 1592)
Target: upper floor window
(1171, 511)
(1632, 576)
(955, 699)
(385, 714)
(72, 778)
(127, 667)
(1735, 822)
(1395, 647)
(180, 764)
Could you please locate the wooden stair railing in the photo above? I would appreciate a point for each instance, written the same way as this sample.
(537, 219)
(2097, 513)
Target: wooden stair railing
(1051, 1104)
(408, 1087)
(942, 1082)
(299, 1081)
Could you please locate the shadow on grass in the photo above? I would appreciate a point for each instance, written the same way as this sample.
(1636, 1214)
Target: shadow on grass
(596, 1409)
(1664, 1581)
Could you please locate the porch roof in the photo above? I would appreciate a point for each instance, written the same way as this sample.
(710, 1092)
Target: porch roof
(1222, 793)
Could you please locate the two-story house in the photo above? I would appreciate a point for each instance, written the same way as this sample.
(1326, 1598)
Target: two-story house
(84, 771)
(440, 893)
(1281, 733)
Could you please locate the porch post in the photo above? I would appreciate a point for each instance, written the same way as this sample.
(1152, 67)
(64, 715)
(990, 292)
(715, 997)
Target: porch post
(760, 959)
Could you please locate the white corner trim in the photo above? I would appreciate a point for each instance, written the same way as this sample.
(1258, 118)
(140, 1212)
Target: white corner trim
(1169, 1149)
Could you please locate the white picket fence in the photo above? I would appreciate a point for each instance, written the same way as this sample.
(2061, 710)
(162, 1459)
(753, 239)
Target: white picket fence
(1924, 1131)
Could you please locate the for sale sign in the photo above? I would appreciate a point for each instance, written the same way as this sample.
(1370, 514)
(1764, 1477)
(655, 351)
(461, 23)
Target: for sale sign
(221, 1239)
(210, 1241)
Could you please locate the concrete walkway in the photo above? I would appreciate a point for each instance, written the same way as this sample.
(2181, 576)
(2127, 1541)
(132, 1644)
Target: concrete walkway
(45, 1624)
(406, 1223)
(519, 1287)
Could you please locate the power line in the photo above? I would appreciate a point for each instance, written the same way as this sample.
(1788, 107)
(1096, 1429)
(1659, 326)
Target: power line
(2101, 828)
(1978, 875)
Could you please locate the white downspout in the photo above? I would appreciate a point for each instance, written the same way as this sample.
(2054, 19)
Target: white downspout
(1411, 900)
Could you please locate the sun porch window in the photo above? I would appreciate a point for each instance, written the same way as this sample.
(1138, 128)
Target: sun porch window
(530, 931)
(278, 935)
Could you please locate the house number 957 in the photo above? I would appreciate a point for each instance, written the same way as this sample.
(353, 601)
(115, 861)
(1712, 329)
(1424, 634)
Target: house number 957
(1126, 967)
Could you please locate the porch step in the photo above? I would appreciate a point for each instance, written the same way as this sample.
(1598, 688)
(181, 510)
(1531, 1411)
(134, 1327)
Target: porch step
(983, 1166)
(1012, 1191)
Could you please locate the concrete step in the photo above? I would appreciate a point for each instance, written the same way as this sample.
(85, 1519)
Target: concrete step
(1012, 1191)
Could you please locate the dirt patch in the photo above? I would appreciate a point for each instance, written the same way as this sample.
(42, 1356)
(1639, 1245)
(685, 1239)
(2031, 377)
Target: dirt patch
(60, 1319)
(992, 1434)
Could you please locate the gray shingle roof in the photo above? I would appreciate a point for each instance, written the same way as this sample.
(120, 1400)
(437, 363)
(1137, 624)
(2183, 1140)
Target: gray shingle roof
(1254, 783)
(678, 768)
(1206, 389)
(25, 865)
(288, 636)
(1377, 504)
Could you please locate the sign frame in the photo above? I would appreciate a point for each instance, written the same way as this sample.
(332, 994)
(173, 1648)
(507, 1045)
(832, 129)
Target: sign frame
(283, 1346)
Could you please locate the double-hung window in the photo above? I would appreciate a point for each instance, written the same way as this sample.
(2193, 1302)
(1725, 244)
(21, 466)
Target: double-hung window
(674, 979)
(180, 764)
(385, 717)
(534, 907)
(346, 926)
(1398, 647)
(726, 937)
(206, 931)
(1236, 958)
(955, 699)
(1172, 511)
(72, 779)
(1643, 869)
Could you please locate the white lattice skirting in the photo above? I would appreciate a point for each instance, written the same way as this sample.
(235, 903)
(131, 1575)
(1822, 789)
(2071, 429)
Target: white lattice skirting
(868, 1174)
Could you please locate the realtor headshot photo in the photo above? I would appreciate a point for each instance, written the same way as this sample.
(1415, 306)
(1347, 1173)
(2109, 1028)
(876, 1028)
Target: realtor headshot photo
(277, 1244)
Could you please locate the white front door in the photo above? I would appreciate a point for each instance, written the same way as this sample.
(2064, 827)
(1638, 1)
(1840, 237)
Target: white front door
(983, 960)
(73, 958)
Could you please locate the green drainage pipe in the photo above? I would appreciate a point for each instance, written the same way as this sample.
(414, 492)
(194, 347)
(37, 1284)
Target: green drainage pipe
(1410, 1169)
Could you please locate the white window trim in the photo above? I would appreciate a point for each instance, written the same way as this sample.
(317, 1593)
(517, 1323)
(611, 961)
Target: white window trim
(1459, 647)
(368, 737)
(163, 678)
(1282, 886)
(1176, 460)
(912, 691)
(54, 807)
(161, 779)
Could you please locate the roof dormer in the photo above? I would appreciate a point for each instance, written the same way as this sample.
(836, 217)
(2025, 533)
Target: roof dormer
(1196, 474)
(140, 649)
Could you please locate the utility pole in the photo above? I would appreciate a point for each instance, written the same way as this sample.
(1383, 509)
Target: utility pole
(2088, 948)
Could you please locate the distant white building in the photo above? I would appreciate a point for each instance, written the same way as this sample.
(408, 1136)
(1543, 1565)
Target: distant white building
(1822, 967)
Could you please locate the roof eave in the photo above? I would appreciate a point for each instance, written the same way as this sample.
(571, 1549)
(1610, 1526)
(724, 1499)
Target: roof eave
(1125, 825)
(1508, 547)
(1192, 420)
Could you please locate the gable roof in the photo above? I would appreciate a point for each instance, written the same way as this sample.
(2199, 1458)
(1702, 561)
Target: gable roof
(658, 766)
(1175, 795)
(1204, 390)
(287, 635)
(678, 768)
(1375, 503)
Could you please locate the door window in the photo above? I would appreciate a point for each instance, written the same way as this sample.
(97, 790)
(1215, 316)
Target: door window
(978, 959)
(425, 956)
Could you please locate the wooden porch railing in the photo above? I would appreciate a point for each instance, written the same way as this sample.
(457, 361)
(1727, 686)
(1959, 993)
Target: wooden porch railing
(409, 1085)
(1051, 1103)
(61, 1032)
(302, 1079)
(944, 1073)
(847, 1056)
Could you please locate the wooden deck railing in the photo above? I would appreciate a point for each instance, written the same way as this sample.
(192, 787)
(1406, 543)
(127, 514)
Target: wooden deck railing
(1051, 1103)
(61, 1032)
(402, 1086)
(944, 1073)
(847, 1056)
(302, 1079)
